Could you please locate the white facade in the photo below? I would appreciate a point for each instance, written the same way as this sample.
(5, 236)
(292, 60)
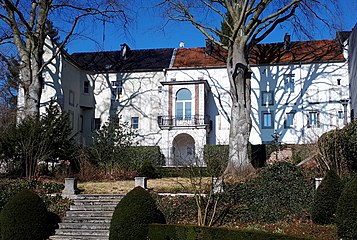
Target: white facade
(183, 108)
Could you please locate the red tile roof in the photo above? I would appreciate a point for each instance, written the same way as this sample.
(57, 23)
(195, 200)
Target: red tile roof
(300, 52)
(274, 53)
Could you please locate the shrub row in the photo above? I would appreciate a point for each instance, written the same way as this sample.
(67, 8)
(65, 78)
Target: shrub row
(280, 191)
(216, 157)
(187, 232)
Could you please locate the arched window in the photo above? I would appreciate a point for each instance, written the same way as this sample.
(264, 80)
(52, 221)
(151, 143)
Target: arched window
(183, 104)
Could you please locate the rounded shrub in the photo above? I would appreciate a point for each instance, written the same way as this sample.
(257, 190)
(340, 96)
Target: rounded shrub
(132, 216)
(24, 217)
(346, 213)
(325, 199)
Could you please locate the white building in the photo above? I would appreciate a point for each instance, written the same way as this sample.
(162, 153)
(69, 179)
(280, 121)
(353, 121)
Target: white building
(179, 99)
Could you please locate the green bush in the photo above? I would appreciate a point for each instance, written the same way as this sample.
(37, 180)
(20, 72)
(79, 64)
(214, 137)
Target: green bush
(346, 213)
(24, 217)
(132, 216)
(279, 192)
(325, 199)
(188, 232)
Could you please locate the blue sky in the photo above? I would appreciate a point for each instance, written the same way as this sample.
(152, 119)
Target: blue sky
(146, 31)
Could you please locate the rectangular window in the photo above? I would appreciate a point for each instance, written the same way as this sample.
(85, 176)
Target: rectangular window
(96, 123)
(289, 121)
(135, 122)
(267, 120)
(289, 82)
(340, 114)
(179, 111)
(71, 98)
(267, 98)
(86, 86)
(313, 119)
(71, 119)
(187, 111)
(117, 90)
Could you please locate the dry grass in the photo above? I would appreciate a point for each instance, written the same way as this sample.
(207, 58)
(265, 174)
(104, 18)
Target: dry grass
(158, 185)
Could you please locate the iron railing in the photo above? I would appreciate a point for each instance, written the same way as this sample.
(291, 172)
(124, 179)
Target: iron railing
(183, 121)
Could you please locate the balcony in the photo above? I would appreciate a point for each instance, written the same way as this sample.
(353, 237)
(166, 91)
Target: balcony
(196, 121)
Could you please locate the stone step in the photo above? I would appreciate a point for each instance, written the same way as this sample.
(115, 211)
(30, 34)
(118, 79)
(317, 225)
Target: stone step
(82, 232)
(88, 218)
(99, 196)
(95, 207)
(64, 237)
(89, 225)
(89, 214)
(85, 220)
(96, 201)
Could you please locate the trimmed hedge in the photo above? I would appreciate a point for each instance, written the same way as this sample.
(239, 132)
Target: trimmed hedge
(216, 157)
(136, 156)
(132, 216)
(24, 217)
(325, 199)
(279, 192)
(190, 232)
(346, 213)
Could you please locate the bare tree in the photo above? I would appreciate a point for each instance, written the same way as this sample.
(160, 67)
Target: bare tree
(26, 23)
(244, 24)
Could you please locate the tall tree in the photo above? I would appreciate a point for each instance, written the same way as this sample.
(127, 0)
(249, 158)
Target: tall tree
(26, 24)
(9, 78)
(245, 23)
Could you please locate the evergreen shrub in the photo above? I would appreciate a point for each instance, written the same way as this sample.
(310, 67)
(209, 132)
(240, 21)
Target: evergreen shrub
(132, 216)
(325, 199)
(346, 213)
(24, 217)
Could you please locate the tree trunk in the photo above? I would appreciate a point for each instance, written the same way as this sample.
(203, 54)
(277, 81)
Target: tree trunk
(240, 122)
(31, 84)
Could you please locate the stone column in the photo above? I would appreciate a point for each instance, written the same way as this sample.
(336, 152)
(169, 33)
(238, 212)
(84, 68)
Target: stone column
(70, 188)
(141, 182)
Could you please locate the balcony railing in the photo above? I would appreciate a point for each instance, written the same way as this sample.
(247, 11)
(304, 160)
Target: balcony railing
(183, 121)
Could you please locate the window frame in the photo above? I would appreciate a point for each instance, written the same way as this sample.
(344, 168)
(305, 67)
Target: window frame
(271, 126)
(286, 125)
(86, 86)
(134, 122)
(271, 100)
(186, 106)
(316, 119)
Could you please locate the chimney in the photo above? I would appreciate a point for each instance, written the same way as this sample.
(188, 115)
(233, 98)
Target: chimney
(124, 51)
(182, 44)
(209, 46)
(287, 42)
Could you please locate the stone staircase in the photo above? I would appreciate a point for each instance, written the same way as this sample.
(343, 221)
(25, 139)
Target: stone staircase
(88, 218)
